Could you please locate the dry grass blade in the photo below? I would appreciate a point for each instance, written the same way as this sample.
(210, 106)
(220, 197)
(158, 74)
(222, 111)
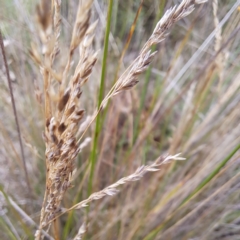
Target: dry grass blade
(15, 113)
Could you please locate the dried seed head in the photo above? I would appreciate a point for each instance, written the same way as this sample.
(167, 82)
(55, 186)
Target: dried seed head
(44, 19)
(61, 128)
(81, 24)
(47, 122)
(35, 54)
(44, 14)
(129, 85)
(63, 101)
(70, 110)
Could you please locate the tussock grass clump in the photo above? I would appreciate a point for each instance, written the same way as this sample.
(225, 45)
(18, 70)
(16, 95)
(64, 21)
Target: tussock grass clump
(63, 117)
(186, 108)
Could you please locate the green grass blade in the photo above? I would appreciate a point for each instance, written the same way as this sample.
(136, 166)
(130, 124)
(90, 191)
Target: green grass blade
(146, 82)
(25, 227)
(211, 175)
(7, 230)
(98, 126)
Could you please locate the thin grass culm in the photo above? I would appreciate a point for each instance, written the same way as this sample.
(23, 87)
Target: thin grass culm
(62, 92)
(15, 112)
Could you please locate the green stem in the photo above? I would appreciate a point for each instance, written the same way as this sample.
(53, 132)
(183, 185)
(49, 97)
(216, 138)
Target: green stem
(147, 79)
(142, 101)
(7, 230)
(211, 175)
(93, 154)
(114, 21)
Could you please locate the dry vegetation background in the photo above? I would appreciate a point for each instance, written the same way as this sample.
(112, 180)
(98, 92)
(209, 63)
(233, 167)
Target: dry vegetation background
(186, 101)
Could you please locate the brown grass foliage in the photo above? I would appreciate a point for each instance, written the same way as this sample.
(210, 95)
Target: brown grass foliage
(90, 117)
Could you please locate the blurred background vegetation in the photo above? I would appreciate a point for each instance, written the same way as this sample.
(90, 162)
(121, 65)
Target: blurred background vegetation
(188, 101)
